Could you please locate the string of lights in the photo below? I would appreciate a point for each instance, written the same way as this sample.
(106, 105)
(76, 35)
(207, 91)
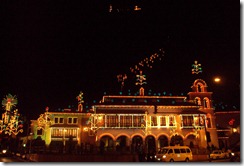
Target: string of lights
(10, 123)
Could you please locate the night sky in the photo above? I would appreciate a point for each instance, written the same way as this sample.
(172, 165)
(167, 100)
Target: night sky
(53, 49)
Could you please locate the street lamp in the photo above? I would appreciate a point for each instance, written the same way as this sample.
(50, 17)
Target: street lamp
(217, 80)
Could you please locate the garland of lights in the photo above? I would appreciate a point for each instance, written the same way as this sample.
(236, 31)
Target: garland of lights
(10, 123)
(44, 120)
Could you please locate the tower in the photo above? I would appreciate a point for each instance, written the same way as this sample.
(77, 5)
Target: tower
(203, 98)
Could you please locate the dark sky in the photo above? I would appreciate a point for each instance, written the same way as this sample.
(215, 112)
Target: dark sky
(53, 49)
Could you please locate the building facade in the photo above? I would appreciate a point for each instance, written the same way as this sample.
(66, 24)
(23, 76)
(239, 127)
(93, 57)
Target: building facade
(136, 123)
(152, 122)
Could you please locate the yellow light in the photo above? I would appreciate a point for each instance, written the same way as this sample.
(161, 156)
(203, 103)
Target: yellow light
(217, 79)
(234, 130)
(85, 129)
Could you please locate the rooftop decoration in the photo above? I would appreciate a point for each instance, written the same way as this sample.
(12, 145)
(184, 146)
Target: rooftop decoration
(141, 79)
(148, 62)
(121, 79)
(44, 120)
(80, 101)
(196, 68)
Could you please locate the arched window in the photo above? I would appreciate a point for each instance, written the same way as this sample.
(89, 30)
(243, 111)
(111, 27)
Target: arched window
(206, 103)
(199, 88)
(198, 101)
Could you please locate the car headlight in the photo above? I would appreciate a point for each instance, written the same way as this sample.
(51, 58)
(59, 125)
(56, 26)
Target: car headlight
(232, 154)
(164, 156)
(4, 151)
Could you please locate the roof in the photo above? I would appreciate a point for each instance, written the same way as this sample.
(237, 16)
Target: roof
(146, 100)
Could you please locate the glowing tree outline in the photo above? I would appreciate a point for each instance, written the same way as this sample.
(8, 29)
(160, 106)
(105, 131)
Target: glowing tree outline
(44, 120)
(10, 123)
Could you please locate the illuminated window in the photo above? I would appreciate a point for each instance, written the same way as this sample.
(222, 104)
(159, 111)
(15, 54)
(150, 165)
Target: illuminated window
(206, 102)
(138, 120)
(125, 121)
(198, 101)
(67, 132)
(162, 120)
(208, 122)
(112, 121)
(187, 120)
(171, 120)
(154, 121)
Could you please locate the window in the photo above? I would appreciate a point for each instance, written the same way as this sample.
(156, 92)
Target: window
(55, 120)
(125, 121)
(75, 120)
(187, 120)
(68, 132)
(59, 120)
(162, 120)
(188, 151)
(72, 120)
(112, 121)
(171, 121)
(138, 120)
(154, 121)
(182, 151)
(177, 151)
(69, 120)
(170, 151)
(128, 121)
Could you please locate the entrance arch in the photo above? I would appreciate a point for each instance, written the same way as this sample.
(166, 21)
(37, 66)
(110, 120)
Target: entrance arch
(137, 143)
(176, 140)
(162, 141)
(108, 143)
(121, 143)
(150, 144)
(191, 141)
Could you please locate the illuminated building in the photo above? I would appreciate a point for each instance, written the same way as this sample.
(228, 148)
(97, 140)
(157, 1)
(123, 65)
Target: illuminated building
(127, 123)
(61, 127)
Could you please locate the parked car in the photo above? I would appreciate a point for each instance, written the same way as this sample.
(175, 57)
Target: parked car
(174, 153)
(218, 154)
